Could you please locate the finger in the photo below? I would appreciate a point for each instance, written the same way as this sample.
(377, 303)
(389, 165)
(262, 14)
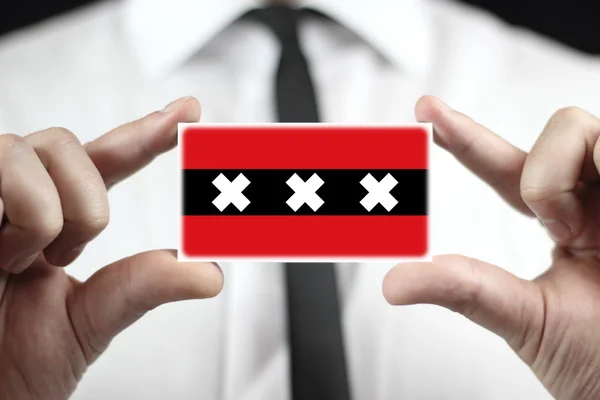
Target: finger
(128, 148)
(32, 211)
(81, 190)
(487, 295)
(119, 294)
(486, 154)
(555, 166)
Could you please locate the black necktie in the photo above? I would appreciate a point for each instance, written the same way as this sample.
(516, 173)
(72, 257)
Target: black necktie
(318, 365)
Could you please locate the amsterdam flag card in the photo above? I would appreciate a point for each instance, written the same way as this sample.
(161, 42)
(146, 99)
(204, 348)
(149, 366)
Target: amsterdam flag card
(303, 192)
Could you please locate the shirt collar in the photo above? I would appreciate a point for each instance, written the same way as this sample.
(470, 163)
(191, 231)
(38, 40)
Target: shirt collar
(164, 33)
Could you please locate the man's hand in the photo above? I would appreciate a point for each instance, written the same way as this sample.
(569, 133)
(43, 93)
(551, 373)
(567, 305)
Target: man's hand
(552, 323)
(54, 201)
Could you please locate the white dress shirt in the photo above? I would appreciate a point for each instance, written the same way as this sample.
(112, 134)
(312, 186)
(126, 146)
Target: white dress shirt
(115, 61)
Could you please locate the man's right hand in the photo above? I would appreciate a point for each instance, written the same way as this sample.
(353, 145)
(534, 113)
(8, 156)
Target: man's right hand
(53, 198)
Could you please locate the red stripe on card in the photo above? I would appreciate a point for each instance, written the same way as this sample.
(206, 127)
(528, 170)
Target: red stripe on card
(311, 147)
(299, 236)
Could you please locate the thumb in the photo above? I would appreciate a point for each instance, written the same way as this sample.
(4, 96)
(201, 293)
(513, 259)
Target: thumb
(119, 294)
(489, 296)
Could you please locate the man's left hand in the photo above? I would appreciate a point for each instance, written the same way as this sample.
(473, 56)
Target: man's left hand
(551, 322)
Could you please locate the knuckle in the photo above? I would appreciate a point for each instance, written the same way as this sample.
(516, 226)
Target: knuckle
(571, 113)
(62, 137)
(135, 300)
(10, 139)
(146, 149)
(47, 227)
(468, 302)
(464, 148)
(535, 194)
(96, 221)
(504, 178)
(96, 216)
(11, 143)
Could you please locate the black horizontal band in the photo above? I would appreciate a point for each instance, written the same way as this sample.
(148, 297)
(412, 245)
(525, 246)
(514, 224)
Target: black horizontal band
(341, 192)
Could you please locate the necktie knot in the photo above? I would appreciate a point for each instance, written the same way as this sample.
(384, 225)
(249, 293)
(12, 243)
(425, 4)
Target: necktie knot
(281, 20)
(295, 96)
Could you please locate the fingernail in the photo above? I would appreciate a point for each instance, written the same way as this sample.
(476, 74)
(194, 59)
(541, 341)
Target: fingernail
(70, 255)
(175, 104)
(558, 230)
(219, 268)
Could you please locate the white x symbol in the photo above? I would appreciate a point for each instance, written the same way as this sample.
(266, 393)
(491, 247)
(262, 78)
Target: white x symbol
(231, 192)
(305, 192)
(379, 192)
